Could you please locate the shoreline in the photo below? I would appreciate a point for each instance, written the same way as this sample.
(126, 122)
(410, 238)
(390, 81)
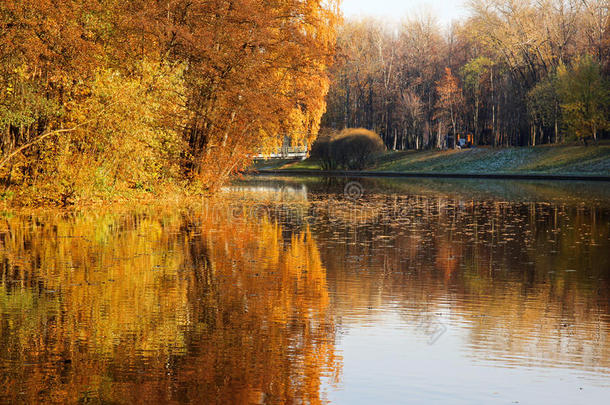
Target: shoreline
(497, 176)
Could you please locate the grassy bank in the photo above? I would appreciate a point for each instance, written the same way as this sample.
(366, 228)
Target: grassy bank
(552, 160)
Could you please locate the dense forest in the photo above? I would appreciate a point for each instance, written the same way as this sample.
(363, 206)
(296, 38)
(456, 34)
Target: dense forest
(99, 96)
(515, 73)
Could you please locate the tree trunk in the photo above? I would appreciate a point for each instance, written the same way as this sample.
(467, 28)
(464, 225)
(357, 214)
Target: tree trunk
(347, 101)
(453, 125)
(476, 121)
(533, 136)
(439, 136)
(494, 129)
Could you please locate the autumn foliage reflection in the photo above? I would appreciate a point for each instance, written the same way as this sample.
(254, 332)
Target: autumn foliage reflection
(172, 307)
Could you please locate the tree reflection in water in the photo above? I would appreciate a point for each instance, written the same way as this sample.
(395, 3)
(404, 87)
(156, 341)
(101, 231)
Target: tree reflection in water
(242, 301)
(162, 307)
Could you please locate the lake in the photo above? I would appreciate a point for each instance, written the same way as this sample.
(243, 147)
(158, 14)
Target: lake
(313, 290)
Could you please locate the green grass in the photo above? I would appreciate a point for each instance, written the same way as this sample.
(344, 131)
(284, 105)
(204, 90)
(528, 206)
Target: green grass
(568, 160)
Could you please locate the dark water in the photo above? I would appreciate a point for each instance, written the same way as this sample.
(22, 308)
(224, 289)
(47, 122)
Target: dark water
(314, 291)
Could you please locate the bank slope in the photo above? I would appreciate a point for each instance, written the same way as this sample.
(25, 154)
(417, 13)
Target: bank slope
(540, 160)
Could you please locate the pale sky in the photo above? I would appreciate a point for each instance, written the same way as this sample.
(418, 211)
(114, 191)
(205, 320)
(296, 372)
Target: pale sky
(445, 10)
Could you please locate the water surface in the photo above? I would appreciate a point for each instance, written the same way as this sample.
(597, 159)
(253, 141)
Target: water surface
(314, 291)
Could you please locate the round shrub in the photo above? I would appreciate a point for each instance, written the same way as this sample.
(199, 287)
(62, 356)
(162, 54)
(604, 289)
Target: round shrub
(355, 148)
(351, 149)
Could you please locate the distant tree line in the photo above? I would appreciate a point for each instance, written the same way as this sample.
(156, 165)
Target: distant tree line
(516, 72)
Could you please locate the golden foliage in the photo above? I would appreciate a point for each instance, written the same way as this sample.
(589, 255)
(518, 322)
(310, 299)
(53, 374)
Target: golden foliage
(234, 310)
(154, 91)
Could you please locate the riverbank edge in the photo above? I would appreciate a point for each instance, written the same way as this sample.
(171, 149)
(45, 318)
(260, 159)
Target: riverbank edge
(500, 176)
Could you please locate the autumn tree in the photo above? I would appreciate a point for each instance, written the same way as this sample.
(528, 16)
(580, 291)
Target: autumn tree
(585, 98)
(410, 115)
(543, 105)
(422, 53)
(474, 73)
(450, 101)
